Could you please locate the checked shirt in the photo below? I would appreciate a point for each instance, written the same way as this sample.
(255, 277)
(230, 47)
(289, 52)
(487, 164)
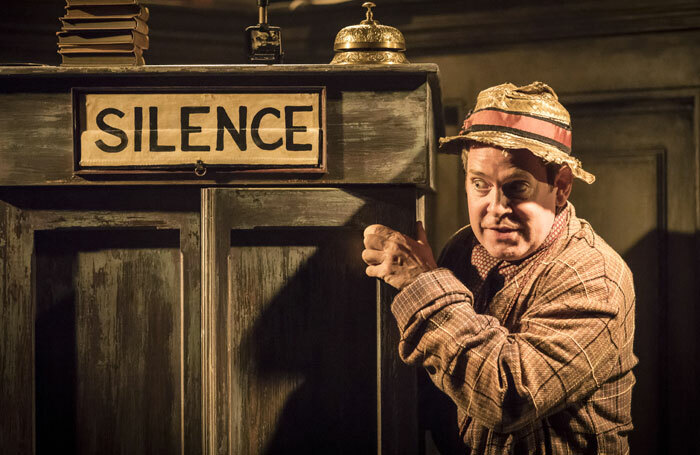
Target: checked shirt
(541, 365)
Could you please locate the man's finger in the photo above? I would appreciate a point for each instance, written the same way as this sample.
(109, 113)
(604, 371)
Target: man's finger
(378, 229)
(373, 257)
(377, 271)
(421, 235)
(374, 242)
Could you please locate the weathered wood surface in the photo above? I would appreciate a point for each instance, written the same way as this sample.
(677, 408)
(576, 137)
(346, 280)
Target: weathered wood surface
(377, 127)
(303, 375)
(230, 70)
(301, 348)
(107, 341)
(16, 333)
(109, 359)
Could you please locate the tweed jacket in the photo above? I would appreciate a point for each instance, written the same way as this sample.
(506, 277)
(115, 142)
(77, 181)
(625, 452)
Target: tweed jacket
(546, 368)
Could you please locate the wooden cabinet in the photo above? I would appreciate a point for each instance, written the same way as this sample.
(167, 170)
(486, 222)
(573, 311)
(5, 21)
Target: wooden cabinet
(225, 314)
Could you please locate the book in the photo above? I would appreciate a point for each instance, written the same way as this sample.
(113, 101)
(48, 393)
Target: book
(103, 33)
(115, 52)
(118, 48)
(95, 24)
(107, 12)
(101, 2)
(102, 37)
(126, 59)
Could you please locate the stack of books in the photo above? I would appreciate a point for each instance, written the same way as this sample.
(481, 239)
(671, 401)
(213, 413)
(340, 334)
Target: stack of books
(103, 32)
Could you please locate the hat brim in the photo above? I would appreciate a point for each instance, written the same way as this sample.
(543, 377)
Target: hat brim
(549, 153)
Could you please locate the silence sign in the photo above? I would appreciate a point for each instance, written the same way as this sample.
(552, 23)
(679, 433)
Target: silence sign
(239, 130)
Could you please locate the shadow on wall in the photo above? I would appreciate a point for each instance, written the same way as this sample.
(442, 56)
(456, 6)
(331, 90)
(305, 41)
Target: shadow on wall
(665, 397)
(306, 367)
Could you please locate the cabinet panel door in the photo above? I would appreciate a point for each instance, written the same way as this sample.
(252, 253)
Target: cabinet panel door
(100, 322)
(300, 344)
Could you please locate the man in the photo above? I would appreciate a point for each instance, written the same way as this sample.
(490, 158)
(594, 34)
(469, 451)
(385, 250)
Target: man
(526, 321)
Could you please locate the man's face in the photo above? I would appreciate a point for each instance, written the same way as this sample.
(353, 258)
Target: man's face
(511, 205)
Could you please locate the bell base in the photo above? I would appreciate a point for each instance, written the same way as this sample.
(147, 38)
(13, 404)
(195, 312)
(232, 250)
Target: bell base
(369, 57)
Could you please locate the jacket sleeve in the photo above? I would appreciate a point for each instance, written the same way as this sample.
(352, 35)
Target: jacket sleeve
(563, 349)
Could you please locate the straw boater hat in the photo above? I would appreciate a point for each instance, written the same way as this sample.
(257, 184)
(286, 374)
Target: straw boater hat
(528, 117)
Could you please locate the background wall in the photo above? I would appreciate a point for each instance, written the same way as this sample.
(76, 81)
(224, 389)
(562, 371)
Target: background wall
(629, 71)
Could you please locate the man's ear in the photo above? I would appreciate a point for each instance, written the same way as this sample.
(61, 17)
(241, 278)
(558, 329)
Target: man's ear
(563, 183)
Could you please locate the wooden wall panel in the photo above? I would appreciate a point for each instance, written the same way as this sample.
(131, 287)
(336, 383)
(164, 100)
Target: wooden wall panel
(643, 151)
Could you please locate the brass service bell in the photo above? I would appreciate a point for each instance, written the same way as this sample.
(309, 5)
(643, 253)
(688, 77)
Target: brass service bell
(369, 42)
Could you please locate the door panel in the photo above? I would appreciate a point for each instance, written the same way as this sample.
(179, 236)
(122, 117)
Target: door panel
(304, 339)
(108, 323)
(301, 342)
(107, 357)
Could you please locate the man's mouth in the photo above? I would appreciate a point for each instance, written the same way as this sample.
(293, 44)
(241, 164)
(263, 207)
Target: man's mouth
(502, 233)
(502, 229)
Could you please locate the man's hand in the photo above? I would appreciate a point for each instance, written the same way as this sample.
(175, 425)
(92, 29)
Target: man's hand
(396, 258)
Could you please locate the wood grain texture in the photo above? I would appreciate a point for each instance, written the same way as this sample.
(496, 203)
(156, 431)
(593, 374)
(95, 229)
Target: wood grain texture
(37, 129)
(191, 335)
(117, 293)
(377, 121)
(16, 333)
(302, 339)
(293, 326)
(114, 349)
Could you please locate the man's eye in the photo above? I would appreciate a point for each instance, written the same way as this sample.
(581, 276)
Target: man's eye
(480, 185)
(517, 189)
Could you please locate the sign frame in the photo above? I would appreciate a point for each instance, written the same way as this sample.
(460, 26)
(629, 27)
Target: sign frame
(198, 168)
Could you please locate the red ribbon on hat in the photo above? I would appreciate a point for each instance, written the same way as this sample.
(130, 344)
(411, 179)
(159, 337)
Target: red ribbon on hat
(525, 123)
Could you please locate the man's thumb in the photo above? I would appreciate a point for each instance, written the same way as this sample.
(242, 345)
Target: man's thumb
(421, 236)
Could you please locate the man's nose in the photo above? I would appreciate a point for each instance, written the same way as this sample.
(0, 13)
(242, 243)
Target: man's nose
(499, 204)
